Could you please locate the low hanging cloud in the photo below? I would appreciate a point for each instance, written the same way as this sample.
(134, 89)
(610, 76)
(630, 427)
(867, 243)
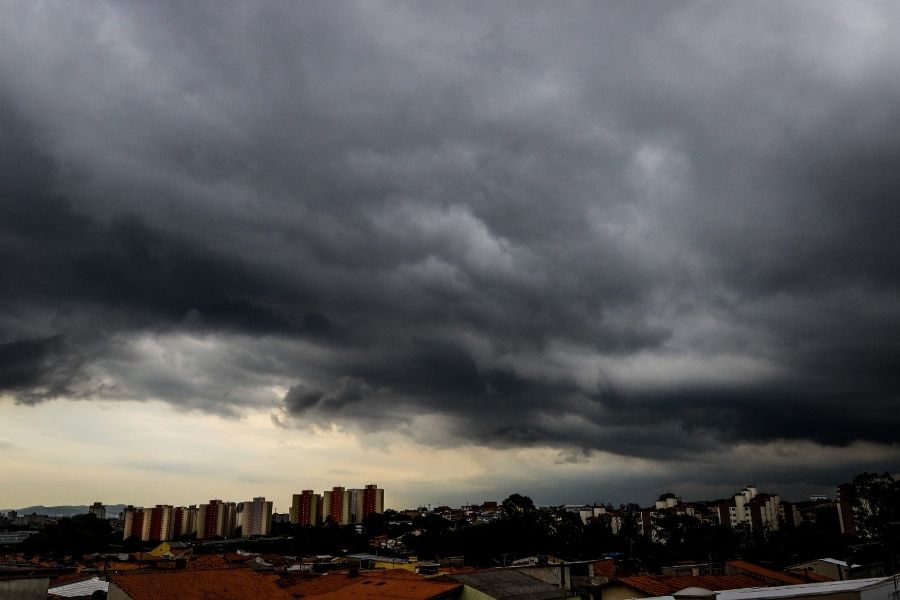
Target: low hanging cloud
(630, 228)
(34, 370)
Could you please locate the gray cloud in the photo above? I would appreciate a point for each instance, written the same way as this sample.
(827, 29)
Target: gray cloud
(38, 369)
(651, 230)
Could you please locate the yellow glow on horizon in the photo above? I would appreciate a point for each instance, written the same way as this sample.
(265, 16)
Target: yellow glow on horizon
(146, 453)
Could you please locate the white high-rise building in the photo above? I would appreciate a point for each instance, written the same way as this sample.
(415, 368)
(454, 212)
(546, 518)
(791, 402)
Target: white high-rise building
(257, 517)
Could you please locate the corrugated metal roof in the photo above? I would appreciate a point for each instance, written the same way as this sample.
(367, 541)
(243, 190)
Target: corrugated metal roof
(508, 584)
(796, 591)
(80, 588)
(378, 558)
(803, 589)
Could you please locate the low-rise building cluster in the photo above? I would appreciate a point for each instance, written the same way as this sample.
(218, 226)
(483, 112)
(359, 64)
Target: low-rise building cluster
(748, 509)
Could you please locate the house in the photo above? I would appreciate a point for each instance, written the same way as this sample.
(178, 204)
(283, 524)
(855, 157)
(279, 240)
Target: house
(831, 568)
(169, 550)
(375, 561)
(23, 586)
(648, 586)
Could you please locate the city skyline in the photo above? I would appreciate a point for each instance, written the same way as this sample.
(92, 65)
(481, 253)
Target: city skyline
(316, 506)
(751, 508)
(579, 251)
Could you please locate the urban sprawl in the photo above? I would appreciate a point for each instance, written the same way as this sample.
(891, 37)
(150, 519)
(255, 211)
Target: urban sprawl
(343, 543)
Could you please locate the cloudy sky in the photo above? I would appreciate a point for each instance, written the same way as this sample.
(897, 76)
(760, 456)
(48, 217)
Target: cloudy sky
(582, 251)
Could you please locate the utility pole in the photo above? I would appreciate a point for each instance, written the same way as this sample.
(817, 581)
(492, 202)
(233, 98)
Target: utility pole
(892, 549)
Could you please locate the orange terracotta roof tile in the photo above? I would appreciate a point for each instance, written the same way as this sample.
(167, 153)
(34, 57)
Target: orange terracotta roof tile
(222, 584)
(717, 582)
(145, 557)
(272, 576)
(307, 585)
(605, 568)
(647, 584)
(207, 561)
(312, 585)
(393, 589)
(234, 557)
(763, 572)
(304, 585)
(664, 585)
(811, 576)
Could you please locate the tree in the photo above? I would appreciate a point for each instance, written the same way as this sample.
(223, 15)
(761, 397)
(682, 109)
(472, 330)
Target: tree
(876, 503)
(71, 536)
(672, 529)
(567, 533)
(375, 524)
(598, 537)
(517, 504)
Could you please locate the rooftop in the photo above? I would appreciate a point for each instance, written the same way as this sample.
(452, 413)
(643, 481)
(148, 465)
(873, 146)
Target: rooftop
(663, 585)
(378, 558)
(805, 589)
(393, 589)
(508, 584)
(391, 584)
(796, 591)
(223, 584)
(763, 572)
(85, 587)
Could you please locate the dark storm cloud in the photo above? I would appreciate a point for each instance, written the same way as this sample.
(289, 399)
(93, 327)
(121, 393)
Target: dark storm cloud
(761, 413)
(646, 229)
(300, 399)
(38, 369)
(141, 274)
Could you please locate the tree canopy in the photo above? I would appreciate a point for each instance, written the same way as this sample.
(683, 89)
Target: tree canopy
(876, 504)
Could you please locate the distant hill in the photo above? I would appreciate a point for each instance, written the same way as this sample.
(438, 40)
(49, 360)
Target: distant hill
(112, 510)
